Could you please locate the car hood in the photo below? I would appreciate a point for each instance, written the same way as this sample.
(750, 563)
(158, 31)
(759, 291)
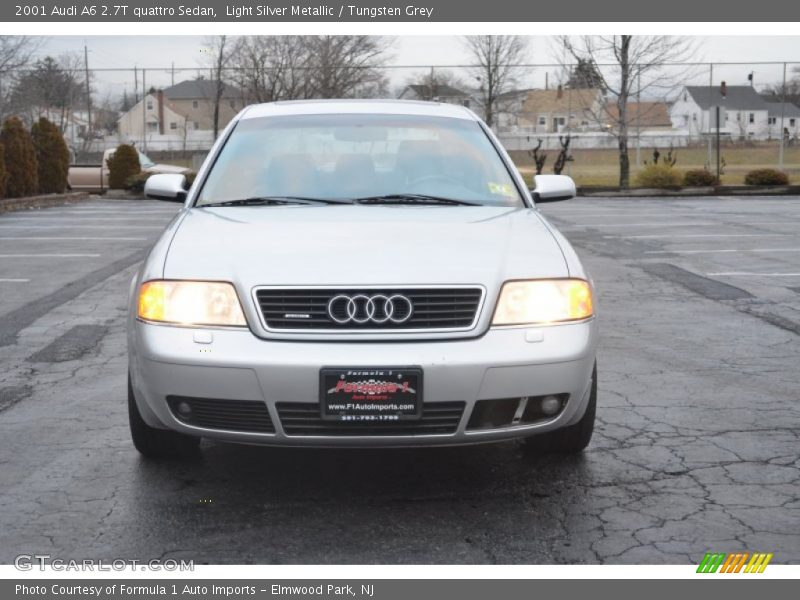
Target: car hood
(159, 168)
(363, 245)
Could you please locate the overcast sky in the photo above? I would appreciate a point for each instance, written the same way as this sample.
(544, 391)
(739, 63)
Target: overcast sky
(158, 53)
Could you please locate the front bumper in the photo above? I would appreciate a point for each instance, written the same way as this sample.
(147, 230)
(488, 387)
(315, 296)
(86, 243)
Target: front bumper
(236, 365)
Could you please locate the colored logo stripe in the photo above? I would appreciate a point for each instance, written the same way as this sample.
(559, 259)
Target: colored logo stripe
(758, 563)
(711, 562)
(734, 562)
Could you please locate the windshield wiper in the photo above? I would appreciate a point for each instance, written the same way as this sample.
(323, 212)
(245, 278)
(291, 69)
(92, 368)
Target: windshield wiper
(412, 199)
(271, 201)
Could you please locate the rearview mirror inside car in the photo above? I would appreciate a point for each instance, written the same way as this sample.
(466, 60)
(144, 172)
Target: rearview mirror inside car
(166, 186)
(551, 188)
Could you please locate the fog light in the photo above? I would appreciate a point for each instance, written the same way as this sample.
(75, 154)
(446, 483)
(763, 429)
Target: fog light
(184, 409)
(550, 405)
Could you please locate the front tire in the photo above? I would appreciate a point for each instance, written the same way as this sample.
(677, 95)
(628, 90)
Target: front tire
(568, 440)
(158, 443)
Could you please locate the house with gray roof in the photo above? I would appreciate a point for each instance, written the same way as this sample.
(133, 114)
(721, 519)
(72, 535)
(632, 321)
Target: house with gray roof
(787, 113)
(180, 116)
(744, 114)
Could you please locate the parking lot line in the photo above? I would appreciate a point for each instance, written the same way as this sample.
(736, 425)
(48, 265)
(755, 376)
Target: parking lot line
(14, 280)
(50, 218)
(686, 224)
(70, 226)
(723, 251)
(49, 255)
(695, 235)
(750, 274)
(77, 239)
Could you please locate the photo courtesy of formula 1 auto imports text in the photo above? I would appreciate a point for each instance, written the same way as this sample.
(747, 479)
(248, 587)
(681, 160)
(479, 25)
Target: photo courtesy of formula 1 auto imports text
(307, 301)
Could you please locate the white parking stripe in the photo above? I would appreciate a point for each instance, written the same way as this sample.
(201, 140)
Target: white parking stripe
(687, 224)
(69, 226)
(14, 280)
(49, 255)
(77, 239)
(648, 224)
(638, 215)
(751, 274)
(695, 235)
(52, 219)
(98, 211)
(726, 251)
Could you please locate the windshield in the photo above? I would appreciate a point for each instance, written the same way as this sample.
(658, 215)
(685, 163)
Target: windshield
(347, 157)
(145, 161)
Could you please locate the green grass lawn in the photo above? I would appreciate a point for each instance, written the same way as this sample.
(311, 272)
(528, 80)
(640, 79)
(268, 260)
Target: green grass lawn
(601, 167)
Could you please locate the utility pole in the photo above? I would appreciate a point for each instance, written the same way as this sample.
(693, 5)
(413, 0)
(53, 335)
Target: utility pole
(144, 113)
(719, 160)
(710, 95)
(88, 94)
(639, 119)
(135, 85)
(783, 114)
(173, 73)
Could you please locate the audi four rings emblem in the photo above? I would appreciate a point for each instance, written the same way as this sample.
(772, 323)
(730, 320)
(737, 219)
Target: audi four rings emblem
(378, 309)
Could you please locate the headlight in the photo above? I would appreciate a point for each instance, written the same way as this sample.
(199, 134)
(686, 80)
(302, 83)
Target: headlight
(543, 301)
(190, 303)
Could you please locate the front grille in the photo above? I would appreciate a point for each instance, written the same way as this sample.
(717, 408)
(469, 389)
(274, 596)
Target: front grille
(232, 415)
(306, 309)
(304, 419)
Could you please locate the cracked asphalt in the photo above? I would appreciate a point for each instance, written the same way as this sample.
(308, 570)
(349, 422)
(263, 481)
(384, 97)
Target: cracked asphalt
(695, 450)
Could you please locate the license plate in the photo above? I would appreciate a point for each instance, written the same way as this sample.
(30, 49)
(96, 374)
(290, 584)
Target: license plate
(371, 395)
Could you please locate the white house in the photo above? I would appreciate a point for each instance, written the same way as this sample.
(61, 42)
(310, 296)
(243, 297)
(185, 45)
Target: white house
(790, 114)
(179, 117)
(744, 114)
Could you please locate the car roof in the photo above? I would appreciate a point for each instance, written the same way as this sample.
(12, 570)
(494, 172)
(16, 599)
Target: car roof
(372, 107)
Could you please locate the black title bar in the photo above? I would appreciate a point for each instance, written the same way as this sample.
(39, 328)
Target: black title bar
(711, 11)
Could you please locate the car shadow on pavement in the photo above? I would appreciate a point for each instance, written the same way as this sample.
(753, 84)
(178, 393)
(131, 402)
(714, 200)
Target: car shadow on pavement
(243, 504)
(236, 473)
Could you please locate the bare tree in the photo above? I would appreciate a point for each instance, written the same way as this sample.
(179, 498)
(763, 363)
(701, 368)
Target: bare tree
(219, 52)
(636, 66)
(51, 87)
(495, 57)
(346, 66)
(791, 91)
(16, 52)
(270, 68)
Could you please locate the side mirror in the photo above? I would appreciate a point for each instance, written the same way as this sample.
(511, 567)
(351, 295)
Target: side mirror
(551, 188)
(166, 186)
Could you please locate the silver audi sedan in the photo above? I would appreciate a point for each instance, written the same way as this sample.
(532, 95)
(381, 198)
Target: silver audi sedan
(360, 273)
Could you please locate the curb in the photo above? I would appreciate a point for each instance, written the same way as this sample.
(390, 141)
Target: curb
(723, 190)
(12, 204)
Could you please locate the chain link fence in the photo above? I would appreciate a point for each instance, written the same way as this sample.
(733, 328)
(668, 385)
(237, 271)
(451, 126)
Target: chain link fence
(168, 111)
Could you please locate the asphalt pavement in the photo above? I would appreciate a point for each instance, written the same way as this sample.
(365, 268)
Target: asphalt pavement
(695, 450)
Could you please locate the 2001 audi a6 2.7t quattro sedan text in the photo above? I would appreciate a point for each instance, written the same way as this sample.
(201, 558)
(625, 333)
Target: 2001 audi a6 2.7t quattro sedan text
(360, 273)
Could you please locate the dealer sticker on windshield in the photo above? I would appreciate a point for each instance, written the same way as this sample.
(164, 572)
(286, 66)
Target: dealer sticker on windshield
(371, 395)
(501, 189)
